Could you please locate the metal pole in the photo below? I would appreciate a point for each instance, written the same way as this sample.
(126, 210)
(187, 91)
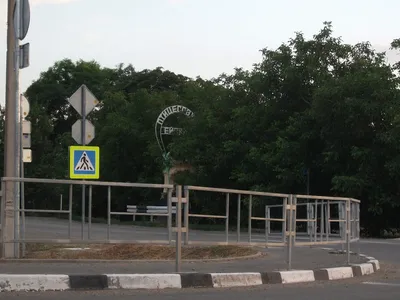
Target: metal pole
(238, 219)
(22, 184)
(186, 216)
(267, 216)
(18, 130)
(108, 212)
(2, 204)
(227, 218)
(348, 225)
(342, 213)
(294, 224)
(61, 204)
(70, 211)
(250, 213)
(321, 222)
(90, 212)
(179, 230)
(310, 216)
(316, 222)
(327, 220)
(83, 133)
(358, 228)
(169, 221)
(10, 134)
(23, 211)
(289, 244)
(284, 217)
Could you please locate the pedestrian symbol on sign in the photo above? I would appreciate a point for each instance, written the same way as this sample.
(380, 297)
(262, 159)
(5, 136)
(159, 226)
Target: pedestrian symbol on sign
(84, 163)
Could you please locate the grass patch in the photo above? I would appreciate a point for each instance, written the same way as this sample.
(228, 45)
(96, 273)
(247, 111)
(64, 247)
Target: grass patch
(133, 252)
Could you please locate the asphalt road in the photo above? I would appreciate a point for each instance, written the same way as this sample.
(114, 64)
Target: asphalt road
(351, 289)
(384, 285)
(52, 228)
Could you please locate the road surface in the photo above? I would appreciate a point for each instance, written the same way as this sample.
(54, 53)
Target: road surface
(384, 285)
(52, 228)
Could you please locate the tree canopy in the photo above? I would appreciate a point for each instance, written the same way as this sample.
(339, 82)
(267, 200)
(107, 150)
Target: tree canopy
(312, 105)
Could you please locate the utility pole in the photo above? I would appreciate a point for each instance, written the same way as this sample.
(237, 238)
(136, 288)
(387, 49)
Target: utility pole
(18, 20)
(10, 141)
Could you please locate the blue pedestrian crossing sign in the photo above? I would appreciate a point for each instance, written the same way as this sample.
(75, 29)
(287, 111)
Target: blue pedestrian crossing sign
(84, 162)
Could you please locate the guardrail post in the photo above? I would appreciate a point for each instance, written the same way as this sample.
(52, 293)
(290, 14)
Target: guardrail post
(315, 221)
(108, 212)
(250, 215)
(342, 217)
(3, 219)
(186, 215)
(327, 218)
(294, 224)
(227, 218)
(70, 211)
(22, 194)
(348, 228)
(290, 229)
(321, 222)
(284, 217)
(238, 218)
(310, 216)
(178, 229)
(267, 223)
(309, 229)
(90, 212)
(83, 211)
(169, 221)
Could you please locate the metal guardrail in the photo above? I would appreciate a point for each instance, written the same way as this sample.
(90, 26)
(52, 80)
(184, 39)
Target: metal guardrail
(179, 205)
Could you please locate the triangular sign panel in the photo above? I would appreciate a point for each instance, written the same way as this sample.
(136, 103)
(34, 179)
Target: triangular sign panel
(84, 163)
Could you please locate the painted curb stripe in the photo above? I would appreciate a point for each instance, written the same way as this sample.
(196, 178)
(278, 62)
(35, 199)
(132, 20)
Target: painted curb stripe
(42, 282)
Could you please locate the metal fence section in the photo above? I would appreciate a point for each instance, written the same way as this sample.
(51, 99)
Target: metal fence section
(271, 219)
(240, 196)
(82, 240)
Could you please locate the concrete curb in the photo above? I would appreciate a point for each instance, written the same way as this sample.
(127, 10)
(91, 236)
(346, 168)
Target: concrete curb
(43, 282)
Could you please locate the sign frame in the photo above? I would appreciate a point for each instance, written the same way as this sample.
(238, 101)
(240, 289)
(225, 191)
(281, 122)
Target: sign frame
(159, 130)
(73, 150)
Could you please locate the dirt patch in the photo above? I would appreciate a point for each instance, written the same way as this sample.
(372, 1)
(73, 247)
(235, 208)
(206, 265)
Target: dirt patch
(133, 252)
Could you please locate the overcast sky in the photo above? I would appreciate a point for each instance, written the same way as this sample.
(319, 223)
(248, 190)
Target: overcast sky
(191, 37)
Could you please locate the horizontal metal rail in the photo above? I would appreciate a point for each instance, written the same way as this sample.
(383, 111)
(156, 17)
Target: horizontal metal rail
(207, 216)
(91, 241)
(326, 198)
(52, 211)
(330, 242)
(114, 213)
(264, 244)
(306, 220)
(267, 219)
(331, 202)
(88, 182)
(233, 191)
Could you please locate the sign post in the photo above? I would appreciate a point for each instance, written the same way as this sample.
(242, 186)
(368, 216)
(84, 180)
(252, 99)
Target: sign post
(84, 160)
(26, 156)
